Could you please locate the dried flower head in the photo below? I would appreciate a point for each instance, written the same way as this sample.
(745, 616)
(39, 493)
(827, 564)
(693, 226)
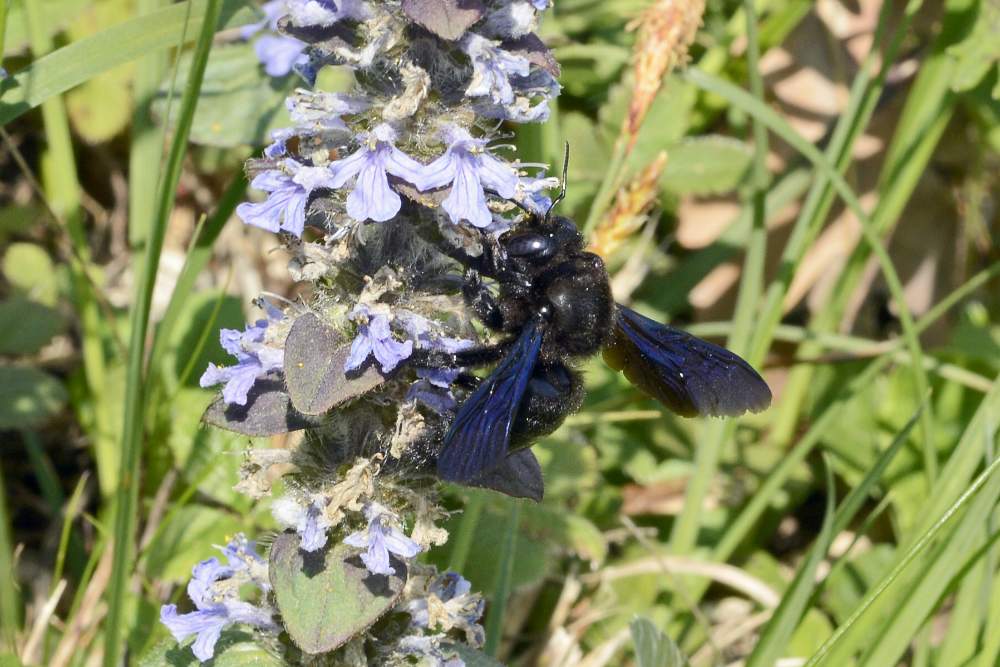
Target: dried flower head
(631, 209)
(666, 30)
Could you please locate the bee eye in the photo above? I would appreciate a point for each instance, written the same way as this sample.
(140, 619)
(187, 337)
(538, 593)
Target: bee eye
(530, 246)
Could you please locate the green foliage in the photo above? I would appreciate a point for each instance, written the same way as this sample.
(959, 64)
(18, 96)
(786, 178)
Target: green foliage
(706, 165)
(28, 268)
(234, 649)
(101, 107)
(353, 599)
(28, 396)
(180, 541)
(474, 658)
(532, 558)
(26, 326)
(653, 648)
(234, 82)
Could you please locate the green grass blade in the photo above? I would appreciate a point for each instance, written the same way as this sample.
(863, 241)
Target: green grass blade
(82, 60)
(964, 460)
(864, 95)
(752, 276)
(505, 574)
(742, 525)
(126, 500)
(968, 615)
(860, 106)
(68, 540)
(45, 472)
(685, 530)
(3, 24)
(461, 541)
(924, 589)
(843, 641)
(195, 261)
(203, 337)
(10, 598)
(989, 653)
(794, 603)
(146, 144)
(63, 195)
(757, 109)
(929, 107)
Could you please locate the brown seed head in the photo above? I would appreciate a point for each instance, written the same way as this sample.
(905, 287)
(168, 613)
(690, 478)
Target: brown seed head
(666, 31)
(631, 209)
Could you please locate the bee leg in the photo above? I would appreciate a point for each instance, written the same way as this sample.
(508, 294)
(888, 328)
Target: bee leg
(467, 381)
(480, 299)
(473, 357)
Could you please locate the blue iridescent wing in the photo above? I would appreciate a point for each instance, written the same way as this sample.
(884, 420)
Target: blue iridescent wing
(687, 374)
(477, 440)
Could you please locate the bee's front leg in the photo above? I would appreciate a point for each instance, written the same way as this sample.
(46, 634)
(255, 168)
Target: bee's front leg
(481, 300)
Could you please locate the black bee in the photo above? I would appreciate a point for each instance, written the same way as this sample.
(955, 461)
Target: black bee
(554, 300)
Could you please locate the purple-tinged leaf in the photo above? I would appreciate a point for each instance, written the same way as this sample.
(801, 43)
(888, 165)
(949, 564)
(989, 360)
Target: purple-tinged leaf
(448, 19)
(328, 596)
(519, 476)
(534, 50)
(268, 412)
(314, 368)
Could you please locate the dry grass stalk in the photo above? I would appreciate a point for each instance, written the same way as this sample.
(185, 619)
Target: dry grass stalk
(666, 31)
(631, 209)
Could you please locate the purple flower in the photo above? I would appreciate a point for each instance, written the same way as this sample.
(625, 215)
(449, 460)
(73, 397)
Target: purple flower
(241, 555)
(425, 334)
(530, 103)
(371, 197)
(285, 206)
(492, 68)
(273, 11)
(449, 604)
(278, 148)
(468, 167)
(326, 12)
(322, 111)
(380, 539)
(253, 360)
(278, 53)
(531, 193)
(433, 387)
(307, 520)
(375, 338)
(214, 597)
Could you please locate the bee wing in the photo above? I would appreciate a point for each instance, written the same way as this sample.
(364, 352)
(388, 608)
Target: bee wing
(687, 374)
(477, 440)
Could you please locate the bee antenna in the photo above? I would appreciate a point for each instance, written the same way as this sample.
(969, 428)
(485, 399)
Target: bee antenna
(562, 184)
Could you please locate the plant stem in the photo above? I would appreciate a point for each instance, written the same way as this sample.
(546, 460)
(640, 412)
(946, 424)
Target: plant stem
(126, 499)
(501, 591)
(10, 599)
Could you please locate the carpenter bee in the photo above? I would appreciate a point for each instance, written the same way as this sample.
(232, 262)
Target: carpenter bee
(553, 300)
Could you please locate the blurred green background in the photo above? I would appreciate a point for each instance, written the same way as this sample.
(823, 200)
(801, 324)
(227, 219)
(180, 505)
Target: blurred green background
(828, 206)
